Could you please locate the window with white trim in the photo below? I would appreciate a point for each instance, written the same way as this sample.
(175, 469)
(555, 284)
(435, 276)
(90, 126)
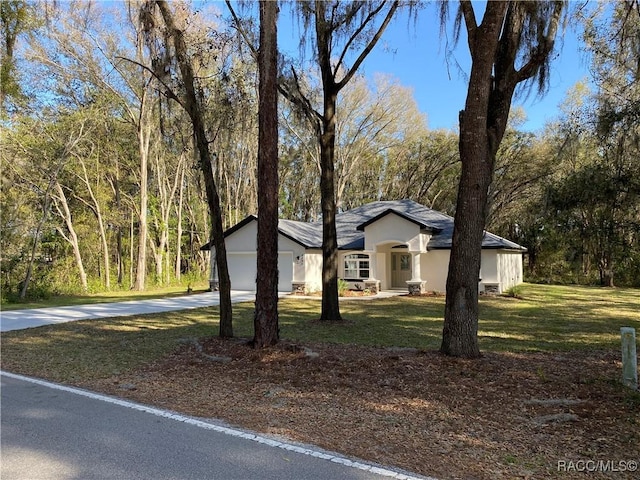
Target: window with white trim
(356, 266)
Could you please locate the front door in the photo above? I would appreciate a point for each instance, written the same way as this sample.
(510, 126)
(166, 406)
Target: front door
(400, 269)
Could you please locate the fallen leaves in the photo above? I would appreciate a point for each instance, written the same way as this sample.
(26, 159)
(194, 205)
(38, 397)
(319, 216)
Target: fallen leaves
(418, 410)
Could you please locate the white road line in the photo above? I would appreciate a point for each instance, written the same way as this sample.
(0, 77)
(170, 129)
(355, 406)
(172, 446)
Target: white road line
(217, 428)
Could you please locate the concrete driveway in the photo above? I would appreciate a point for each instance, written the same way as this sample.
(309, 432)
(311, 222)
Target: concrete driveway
(19, 319)
(37, 317)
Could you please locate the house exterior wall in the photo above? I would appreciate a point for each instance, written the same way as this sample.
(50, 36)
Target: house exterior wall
(489, 266)
(313, 270)
(499, 269)
(392, 228)
(509, 269)
(489, 272)
(243, 240)
(241, 248)
(246, 239)
(434, 267)
(302, 268)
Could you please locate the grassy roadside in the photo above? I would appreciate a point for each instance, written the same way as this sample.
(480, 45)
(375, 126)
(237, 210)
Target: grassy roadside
(107, 297)
(545, 319)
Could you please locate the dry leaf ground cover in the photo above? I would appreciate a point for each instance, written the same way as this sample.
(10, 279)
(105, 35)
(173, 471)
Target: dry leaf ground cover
(543, 402)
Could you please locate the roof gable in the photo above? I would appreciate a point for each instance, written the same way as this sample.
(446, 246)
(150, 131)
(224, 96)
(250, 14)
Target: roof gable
(391, 211)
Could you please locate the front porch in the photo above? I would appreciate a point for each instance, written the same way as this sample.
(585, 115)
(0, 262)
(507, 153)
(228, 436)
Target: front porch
(388, 267)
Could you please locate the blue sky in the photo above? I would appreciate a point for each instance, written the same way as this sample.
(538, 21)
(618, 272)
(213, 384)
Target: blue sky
(415, 54)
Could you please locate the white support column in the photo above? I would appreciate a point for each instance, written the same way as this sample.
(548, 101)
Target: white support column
(214, 281)
(373, 267)
(416, 285)
(415, 271)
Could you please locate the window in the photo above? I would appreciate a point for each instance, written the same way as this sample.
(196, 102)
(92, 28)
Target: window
(356, 266)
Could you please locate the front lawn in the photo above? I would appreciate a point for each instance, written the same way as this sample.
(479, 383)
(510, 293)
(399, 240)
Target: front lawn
(546, 318)
(546, 391)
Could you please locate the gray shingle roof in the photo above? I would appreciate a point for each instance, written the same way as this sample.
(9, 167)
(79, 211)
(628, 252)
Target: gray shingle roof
(350, 237)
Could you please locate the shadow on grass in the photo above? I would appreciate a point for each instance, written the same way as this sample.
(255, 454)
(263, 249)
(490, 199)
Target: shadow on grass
(548, 319)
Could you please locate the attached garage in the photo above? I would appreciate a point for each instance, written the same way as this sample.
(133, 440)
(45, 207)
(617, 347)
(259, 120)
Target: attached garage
(243, 267)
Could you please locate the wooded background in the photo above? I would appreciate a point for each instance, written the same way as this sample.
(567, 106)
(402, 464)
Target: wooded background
(101, 188)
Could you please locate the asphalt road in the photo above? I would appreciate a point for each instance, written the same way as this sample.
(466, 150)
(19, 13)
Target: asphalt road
(50, 431)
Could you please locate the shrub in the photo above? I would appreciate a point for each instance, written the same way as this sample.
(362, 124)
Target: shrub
(342, 287)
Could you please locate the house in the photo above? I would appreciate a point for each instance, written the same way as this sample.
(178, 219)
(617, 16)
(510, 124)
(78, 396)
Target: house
(382, 245)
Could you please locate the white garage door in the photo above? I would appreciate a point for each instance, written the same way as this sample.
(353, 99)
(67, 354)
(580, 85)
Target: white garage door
(242, 270)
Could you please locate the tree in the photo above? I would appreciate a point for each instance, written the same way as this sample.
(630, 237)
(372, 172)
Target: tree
(332, 22)
(372, 127)
(190, 100)
(594, 196)
(425, 169)
(616, 49)
(379, 124)
(16, 16)
(41, 151)
(266, 312)
(509, 46)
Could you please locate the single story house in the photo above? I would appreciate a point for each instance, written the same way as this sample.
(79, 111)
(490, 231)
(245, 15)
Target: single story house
(382, 246)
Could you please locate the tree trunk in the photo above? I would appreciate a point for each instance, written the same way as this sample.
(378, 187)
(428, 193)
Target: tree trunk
(119, 250)
(330, 303)
(178, 271)
(102, 231)
(196, 113)
(606, 270)
(498, 65)
(459, 336)
(144, 134)
(217, 234)
(266, 314)
(65, 213)
(105, 250)
(478, 144)
(131, 281)
(36, 239)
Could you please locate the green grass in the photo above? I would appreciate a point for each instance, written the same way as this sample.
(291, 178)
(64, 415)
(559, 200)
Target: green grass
(107, 297)
(546, 318)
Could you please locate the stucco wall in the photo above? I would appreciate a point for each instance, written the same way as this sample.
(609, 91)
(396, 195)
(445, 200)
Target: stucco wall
(434, 266)
(241, 248)
(313, 269)
(489, 266)
(243, 240)
(392, 228)
(509, 269)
